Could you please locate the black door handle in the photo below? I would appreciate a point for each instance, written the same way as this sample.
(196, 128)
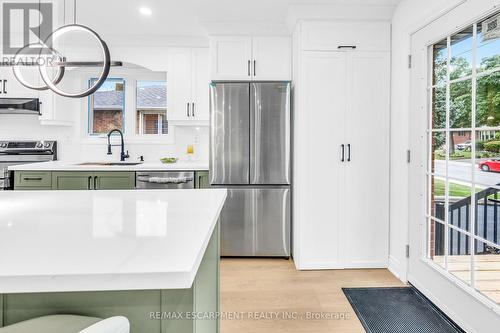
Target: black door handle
(352, 47)
(249, 64)
(187, 109)
(349, 152)
(192, 110)
(95, 183)
(88, 184)
(342, 149)
(254, 68)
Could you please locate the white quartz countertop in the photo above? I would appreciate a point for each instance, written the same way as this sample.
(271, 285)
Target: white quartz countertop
(56, 241)
(77, 166)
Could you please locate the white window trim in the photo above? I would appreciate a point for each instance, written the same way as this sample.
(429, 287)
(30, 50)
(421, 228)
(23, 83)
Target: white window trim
(131, 76)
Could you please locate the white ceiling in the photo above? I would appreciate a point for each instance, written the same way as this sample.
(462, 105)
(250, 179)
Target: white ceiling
(200, 18)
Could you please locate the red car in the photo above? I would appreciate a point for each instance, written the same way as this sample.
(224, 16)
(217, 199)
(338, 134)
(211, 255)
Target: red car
(490, 165)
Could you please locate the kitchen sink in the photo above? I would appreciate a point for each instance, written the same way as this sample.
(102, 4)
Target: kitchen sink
(110, 163)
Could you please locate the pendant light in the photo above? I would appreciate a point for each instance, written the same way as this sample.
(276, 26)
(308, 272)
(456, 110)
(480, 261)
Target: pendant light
(59, 61)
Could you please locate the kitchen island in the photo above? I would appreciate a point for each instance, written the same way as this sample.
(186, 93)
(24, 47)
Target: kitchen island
(151, 256)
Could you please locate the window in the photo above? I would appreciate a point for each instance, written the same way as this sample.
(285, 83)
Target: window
(463, 211)
(106, 107)
(151, 107)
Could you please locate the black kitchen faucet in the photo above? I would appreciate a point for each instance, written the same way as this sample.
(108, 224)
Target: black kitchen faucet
(123, 155)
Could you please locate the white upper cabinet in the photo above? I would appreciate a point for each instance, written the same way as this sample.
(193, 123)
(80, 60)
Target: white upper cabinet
(188, 84)
(231, 58)
(201, 82)
(53, 110)
(251, 58)
(333, 36)
(271, 58)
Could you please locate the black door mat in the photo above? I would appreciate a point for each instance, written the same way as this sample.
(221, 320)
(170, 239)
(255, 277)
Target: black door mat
(401, 310)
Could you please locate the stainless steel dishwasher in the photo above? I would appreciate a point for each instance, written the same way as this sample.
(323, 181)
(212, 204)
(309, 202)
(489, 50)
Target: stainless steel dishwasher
(164, 180)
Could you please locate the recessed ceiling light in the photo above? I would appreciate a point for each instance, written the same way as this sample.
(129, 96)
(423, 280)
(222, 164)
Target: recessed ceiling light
(145, 11)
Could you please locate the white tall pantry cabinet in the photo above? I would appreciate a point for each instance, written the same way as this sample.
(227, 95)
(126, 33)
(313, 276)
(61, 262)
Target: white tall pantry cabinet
(341, 144)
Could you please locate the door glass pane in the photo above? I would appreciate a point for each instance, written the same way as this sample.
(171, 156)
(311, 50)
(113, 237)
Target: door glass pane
(440, 56)
(437, 193)
(488, 100)
(461, 104)
(436, 242)
(459, 259)
(439, 107)
(488, 214)
(487, 158)
(461, 54)
(487, 270)
(438, 154)
(459, 204)
(488, 47)
(459, 164)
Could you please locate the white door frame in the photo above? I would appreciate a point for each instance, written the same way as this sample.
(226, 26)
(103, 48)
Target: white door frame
(467, 309)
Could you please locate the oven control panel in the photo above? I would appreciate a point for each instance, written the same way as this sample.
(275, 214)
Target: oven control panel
(14, 147)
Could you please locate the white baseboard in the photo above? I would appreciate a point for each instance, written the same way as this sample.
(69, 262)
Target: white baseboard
(395, 267)
(442, 306)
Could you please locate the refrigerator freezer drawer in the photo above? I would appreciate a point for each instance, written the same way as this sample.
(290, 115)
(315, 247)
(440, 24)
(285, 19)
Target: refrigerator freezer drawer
(255, 221)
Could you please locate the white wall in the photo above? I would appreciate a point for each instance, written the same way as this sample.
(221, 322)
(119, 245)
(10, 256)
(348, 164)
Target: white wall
(410, 15)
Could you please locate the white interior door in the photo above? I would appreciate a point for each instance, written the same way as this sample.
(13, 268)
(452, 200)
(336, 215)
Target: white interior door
(318, 179)
(365, 199)
(433, 268)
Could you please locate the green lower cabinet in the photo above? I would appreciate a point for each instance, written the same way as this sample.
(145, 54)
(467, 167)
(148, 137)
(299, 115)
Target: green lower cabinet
(202, 179)
(151, 311)
(93, 180)
(114, 180)
(32, 180)
(72, 180)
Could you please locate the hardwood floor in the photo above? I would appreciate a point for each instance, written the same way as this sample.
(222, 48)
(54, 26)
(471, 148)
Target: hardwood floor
(270, 295)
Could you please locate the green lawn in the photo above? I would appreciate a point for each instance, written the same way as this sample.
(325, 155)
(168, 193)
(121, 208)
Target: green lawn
(458, 155)
(456, 190)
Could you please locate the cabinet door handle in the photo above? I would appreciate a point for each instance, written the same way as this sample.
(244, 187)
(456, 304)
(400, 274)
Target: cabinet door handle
(187, 109)
(32, 179)
(89, 186)
(352, 47)
(254, 68)
(342, 153)
(95, 183)
(192, 110)
(249, 64)
(349, 152)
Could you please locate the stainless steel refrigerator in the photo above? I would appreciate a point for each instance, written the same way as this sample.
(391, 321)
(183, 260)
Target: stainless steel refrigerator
(250, 156)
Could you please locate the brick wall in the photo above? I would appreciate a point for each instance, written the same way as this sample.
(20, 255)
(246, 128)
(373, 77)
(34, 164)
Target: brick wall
(107, 120)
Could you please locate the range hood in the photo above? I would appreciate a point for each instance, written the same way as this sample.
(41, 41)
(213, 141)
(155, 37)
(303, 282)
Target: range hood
(20, 106)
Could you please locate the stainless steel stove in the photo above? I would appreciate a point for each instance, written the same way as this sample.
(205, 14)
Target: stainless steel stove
(23, 152)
